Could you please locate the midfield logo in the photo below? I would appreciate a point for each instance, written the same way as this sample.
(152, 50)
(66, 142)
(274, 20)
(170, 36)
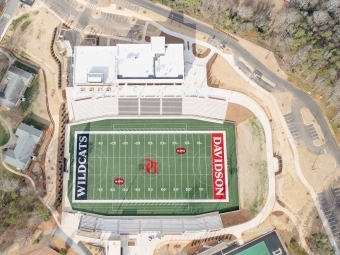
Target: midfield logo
(151, 166)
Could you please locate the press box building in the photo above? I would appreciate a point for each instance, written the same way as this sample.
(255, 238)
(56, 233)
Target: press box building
(129, 64)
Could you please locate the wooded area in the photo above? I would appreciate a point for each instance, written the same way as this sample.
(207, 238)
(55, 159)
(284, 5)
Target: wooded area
(20, 210)
(304, 36)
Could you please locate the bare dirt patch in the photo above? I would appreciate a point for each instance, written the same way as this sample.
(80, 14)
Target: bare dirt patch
(105, 3)
(169, 39)
(36, 37)
(252, 163)
(307, 116)
(265, 56)
(221, 75)
(191, 247)
(212, 81)
(200, 51)
(289, 189)
(280, 222)
(284, 101)
(151, 31)
(314, 167)
(237, 113)
(235, 218)
(59, 244)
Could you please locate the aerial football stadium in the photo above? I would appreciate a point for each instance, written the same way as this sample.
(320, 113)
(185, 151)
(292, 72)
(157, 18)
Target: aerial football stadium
(143, 138)
(153, 167)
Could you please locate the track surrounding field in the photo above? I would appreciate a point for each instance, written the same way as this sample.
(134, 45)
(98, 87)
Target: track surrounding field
(151, 167)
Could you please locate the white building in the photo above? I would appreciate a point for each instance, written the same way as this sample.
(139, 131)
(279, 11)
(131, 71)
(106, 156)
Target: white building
(128, 64)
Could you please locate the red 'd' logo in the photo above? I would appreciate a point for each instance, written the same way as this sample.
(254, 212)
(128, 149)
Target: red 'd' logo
(119, 181)
(181, 150)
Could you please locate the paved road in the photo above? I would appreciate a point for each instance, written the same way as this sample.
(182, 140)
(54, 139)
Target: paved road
(11, 4)
(108, 24)
(300, 99)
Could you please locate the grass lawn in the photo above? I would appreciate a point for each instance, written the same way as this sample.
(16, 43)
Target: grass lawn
(29, 95)
(4, 134)
(18, 21)
(25, 67)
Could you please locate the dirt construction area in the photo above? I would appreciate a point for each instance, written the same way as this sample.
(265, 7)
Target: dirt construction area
(292, 193)
(30, 37)
(252, 163)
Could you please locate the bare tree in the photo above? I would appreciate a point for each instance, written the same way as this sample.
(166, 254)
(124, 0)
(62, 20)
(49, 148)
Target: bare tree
(333, 74)
(305, 4)
(334, 96)
(301, 56)
(319, 83)
(9, 185)
(286, 18)
(321, 18)
(245, 12)
(331, 6)
(261, 20)
(336, 31)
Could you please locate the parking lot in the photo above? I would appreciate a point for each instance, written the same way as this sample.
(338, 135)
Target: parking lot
(290, 120)
(127, 5)
(62, 10)
(116, 18)
(312, 132)
(332, 221)
(73, 3)
(336, 192)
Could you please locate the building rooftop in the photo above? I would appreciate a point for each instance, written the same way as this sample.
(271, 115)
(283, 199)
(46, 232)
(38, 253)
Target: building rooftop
(12, 85)
(89, 60)
(140, 62)
(28, 137)
(134, 61)
(266, 244)
(129, 63)
(158, 44)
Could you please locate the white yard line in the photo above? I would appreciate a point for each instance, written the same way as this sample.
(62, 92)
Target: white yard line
(153, 132)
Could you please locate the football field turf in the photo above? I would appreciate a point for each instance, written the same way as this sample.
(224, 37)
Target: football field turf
(162, 167)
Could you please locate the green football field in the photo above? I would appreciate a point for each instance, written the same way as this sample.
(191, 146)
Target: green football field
(258, 249)
(160, 167)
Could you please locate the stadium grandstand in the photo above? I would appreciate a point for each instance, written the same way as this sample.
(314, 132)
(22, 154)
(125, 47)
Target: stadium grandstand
(141, 79)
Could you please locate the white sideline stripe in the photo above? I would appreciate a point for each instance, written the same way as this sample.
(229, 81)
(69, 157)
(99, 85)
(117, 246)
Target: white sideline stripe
(150, 132)
(152, 201)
